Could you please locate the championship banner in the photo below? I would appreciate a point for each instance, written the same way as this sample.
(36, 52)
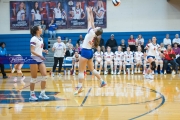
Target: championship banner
(38, 14)
(58, 13)
(19, 15)
(77, 18)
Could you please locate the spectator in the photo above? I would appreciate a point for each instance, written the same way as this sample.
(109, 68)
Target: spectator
(68, 44)
(77, 48)
(112, 43)
(3, 52)
(59, 49)
(52, 30)
(131, 43)
(43, 26)
(140, 42)
(177, 52)
(167, 41)
(101, 44)
(70, 51)
(176, 39)
(123, 45)
(162, 48)
(80, 40)
(168, 58)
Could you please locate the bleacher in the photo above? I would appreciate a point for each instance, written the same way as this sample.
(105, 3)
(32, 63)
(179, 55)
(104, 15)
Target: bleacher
(19, 43)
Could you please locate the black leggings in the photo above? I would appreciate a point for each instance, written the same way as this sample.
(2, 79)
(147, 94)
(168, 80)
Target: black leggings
(56, 59)
(2, 70)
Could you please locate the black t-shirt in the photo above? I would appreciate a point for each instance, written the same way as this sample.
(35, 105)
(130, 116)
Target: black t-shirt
(111, 43)
(123, 47)
(101, 42)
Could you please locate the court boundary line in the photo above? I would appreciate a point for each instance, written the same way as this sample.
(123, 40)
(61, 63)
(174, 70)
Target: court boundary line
(85, 98)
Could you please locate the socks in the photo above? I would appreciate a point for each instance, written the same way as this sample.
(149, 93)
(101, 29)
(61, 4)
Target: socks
(79, 85)
(32, 92)
(42, 91)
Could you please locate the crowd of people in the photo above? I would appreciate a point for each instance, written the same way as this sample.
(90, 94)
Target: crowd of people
(132, 58)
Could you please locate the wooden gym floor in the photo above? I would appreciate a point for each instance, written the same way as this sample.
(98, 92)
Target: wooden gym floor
(125, 97)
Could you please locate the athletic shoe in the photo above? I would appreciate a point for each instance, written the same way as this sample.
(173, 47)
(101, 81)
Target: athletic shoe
(43, 96)
(99, 72)
(161, 72)
(60, 75)
(103, 83)
(156, 72)
(52, 74)
(173, 72)
(118, 73)
(33, 97)
(151, 77)
(15, 79)
(135, 70)
(78, 90)
(74, 73)
(148, 76)
(152, 72)
(139, 71)
(105, 72)
(124, 72)
(132, 72)
(165, 73)
(22, 79)
(112, 73)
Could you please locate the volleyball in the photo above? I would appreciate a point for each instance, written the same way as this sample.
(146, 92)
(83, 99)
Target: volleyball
(116, 2)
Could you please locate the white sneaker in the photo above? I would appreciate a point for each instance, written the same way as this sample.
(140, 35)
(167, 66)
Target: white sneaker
(139, 71)
(151, 77)
(74, 73)
(112, 73)
(124, 72)
(146, 76)
(52, 74)
(60, 75)
(118, 73)
(132, 72)
(22, 79)
(173, 72)
(152, 72)
(78, 90)
(105, 72)
(43, 96)
(165, 73)
(15, 79)
(33, 97)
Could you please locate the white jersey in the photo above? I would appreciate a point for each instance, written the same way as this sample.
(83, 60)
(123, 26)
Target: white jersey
(108, 56)
(152, 49)
(76, 58)
(98, 55)
(138, 55)
(38, 44)
(37, 15)
(128, 56)
(20, 14)
(89, 39)
(99, 11)
(119, 56)
(57, 13)
(77, 13)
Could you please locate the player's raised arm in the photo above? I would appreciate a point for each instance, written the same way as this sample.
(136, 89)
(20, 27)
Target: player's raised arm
(92, 18)
(89, 17)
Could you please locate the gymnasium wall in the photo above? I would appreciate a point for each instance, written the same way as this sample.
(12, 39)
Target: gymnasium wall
(132, 15)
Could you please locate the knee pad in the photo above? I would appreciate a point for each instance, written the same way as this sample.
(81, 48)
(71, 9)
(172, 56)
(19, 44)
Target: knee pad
(95, 72)
(153, 65)
(81, 75)
(19, 71)
(33, 80)
(44, 78)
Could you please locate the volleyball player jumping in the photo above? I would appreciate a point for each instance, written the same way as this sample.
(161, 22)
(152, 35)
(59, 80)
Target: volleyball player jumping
(91, 39)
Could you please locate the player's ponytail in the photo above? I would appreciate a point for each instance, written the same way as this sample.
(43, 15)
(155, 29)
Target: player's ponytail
(96, 41)
(33, 30)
